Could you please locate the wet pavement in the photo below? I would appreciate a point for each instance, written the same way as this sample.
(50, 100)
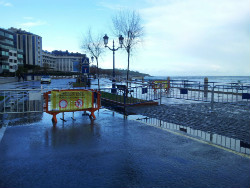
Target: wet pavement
(112, 151)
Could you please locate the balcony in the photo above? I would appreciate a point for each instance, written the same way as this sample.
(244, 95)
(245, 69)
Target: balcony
(4, 62)
(7, 47)
(19, 56)
(20, 50)
(4, 55)
(6, 67)
(2, 35)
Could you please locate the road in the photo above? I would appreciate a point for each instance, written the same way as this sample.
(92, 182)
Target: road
(111, 151)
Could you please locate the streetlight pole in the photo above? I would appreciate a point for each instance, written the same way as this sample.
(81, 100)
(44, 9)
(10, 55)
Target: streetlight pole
(92, 58)
(113, 49)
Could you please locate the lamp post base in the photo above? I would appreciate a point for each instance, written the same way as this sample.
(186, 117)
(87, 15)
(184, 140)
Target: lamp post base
(113, 90)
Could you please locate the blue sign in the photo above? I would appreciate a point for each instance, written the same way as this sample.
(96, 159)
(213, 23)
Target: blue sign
(85, 68)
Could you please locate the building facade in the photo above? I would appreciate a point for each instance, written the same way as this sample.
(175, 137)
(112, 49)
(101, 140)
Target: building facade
(10, 56)
(63, 60)
(31, 45)
(49, 60)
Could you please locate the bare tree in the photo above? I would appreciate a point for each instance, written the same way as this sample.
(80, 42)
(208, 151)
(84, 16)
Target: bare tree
(93, 45)
(128, 23)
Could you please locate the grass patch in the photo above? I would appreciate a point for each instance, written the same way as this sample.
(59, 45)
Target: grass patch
(79, 84)
(120, 98)
(1, 98)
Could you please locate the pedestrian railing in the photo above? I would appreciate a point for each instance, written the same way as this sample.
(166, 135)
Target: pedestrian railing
(206, 92)
(224, 141)
(20, 101)
(124, 96)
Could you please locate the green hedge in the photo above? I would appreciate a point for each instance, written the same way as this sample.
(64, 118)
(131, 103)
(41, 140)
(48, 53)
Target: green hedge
(120, 98)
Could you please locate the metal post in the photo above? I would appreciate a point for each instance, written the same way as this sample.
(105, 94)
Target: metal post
(23, 102)
(98, 75)
(205, 87)
(4, 101)
(212, 99)
(160, 92)
(113, 81)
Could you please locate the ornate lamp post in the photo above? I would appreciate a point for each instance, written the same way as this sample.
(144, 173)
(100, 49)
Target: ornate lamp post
(113, 49)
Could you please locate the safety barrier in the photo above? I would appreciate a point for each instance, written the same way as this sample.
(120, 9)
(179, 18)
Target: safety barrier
(161, 84)
(57, 101)
(14, 101)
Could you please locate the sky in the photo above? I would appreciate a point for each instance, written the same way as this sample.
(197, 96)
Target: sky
(182, 37)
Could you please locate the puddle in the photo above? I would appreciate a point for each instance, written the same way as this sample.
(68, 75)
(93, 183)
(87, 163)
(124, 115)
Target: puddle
(216, 139)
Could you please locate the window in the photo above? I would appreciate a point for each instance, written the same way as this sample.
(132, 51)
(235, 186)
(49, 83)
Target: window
(10, 60)
(15, 61)
(10, 53)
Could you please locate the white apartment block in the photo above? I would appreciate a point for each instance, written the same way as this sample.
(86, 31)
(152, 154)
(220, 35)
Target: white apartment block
(62, 61)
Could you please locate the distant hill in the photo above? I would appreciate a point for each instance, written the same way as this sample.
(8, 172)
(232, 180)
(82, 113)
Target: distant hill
(120, 72)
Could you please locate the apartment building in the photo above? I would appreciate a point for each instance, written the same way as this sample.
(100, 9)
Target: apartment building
(31, 45)
(63, 60)
(10, 56)
(49, 60)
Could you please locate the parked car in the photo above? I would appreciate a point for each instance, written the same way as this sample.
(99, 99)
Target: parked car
(45, 79)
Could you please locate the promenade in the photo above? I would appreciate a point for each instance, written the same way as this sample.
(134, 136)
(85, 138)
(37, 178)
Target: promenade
(120, 150)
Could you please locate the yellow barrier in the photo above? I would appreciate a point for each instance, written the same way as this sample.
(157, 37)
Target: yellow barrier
(71, 101)
(161, 84)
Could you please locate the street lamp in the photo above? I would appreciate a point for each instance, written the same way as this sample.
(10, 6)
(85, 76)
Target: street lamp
(113, 49)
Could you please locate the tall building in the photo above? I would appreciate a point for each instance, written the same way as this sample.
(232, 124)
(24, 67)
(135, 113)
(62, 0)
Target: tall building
(63, 60)
(10, 56)
(31, 45)
(49, 60)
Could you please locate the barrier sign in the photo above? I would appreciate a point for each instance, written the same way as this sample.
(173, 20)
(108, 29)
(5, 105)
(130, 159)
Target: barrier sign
(164, 84)
(71, 100)
(58, 101)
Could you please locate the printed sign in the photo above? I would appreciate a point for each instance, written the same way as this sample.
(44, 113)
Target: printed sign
(71, 100)
(85, 68)
(164, 84)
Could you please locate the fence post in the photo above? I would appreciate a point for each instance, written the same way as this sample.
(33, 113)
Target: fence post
(160, 92)
(4, 101)
(212, 99)
(205, 86)
(124, 96)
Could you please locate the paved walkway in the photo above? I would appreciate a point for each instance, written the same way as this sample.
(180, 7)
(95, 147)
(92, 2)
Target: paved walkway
(111, 151)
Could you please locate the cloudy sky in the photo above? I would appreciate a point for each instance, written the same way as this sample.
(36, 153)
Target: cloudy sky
(182, 37)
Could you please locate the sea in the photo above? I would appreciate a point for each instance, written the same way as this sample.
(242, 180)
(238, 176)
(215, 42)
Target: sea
(217, 79)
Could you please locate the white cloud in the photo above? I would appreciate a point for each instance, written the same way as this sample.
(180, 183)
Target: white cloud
(200, 32)
(5, 4)
(28, 25)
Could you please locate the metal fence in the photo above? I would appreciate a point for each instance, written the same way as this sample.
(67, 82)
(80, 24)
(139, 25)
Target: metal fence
(21, 101)
(131, 96)
(210, 91)
(227, 142)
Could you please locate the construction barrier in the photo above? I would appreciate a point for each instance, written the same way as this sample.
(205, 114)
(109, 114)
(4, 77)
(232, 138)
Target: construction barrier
(161, 84)
(58, 101)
